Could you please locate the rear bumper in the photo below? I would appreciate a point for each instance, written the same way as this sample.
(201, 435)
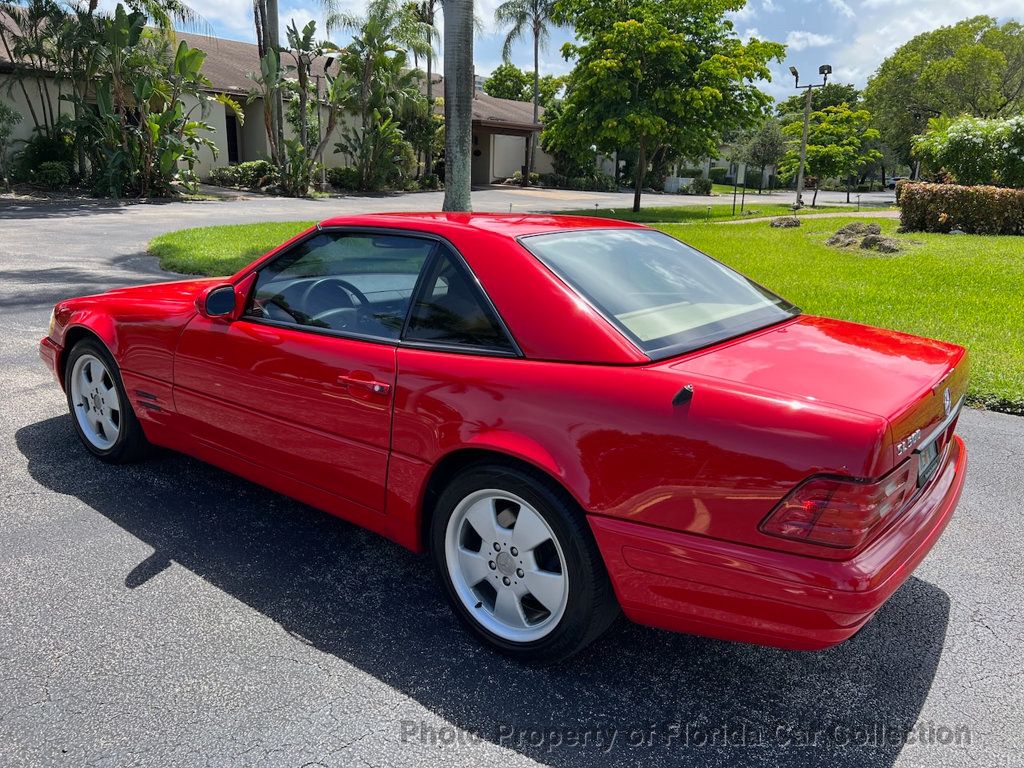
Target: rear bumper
(687, 583)
(49, 353)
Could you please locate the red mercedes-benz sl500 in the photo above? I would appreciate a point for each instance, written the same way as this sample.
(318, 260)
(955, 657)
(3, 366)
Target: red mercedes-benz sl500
(573, 416)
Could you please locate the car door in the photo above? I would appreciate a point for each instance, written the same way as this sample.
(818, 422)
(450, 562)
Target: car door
(302, 384)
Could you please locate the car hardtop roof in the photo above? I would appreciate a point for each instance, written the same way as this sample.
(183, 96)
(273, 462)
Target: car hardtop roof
(508, 224)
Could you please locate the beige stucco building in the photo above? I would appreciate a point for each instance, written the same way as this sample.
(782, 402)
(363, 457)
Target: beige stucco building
(501, 127)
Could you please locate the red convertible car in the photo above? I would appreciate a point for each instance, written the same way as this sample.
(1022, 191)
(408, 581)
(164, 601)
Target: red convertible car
(574, 416)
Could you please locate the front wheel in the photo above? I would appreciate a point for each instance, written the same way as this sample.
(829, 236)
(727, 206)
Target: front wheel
(520, 565)
(99, 405)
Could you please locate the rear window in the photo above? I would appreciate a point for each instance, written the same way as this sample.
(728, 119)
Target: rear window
(664, 295)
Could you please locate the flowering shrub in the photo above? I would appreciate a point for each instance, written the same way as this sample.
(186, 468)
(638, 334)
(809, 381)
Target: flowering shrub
(974, 150)
(977, 210)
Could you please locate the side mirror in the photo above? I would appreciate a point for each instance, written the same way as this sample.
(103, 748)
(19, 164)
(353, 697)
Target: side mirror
(218, 301)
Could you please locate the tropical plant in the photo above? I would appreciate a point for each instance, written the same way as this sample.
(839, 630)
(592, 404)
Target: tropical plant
(9, 117)
(661, 77)
(458, 104)
(140, 133)
(839, 142)
(524, 17)
(383, 90)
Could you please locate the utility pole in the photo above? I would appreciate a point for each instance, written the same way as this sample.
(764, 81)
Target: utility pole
(824, 70)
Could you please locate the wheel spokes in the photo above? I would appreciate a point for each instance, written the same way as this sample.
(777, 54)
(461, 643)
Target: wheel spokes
(546, 587)
(508, 610)
(474, 566)
(530, 531)
(483, 517)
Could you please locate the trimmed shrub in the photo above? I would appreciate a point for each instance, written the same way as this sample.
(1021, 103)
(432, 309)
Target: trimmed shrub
(254, 174)
(718, 175)
(975, 210)
(690, 173)
(700, 186)
(52, 175)
(345, 178)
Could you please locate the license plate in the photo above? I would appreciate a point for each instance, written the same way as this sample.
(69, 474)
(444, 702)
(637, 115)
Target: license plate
(927, 462)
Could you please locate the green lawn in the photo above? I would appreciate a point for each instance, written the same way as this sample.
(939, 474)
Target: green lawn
(961, 288)
(220, 250)
(713, 209)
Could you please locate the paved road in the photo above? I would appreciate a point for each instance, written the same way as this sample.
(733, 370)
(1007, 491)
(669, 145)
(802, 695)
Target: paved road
(169, 614)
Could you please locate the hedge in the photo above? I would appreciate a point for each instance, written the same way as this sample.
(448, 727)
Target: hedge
(974, 210)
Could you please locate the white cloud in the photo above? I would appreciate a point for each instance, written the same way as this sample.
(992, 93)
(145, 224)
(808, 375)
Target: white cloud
(842, 7)
(745, 13)
(798, 40)
(769, 6)
(749, 33)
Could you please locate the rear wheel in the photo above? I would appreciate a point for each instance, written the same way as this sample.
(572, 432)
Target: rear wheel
(519, 564)
(99, 405)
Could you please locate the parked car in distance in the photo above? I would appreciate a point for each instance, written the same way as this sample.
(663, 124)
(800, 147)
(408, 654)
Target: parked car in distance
(573, 416)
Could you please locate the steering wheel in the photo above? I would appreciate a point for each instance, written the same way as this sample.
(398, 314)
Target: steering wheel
(328, 282)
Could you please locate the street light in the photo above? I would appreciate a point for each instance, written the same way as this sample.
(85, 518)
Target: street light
(824, 70)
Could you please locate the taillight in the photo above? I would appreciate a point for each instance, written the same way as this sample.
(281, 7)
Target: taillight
(839, 513)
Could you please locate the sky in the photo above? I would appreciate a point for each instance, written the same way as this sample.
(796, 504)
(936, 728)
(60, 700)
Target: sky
(854, 36)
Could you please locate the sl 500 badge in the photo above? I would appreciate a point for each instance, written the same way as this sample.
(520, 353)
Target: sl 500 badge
(907, 443)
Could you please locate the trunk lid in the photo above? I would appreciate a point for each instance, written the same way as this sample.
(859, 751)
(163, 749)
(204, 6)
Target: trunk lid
(912, 382)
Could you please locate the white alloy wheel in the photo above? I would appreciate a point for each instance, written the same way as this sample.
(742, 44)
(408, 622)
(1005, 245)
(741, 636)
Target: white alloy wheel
(507, 565)
(94, 397)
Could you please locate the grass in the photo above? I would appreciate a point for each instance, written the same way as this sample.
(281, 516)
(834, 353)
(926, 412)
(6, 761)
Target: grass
(713, 210)
(962, 288)
(220, 250)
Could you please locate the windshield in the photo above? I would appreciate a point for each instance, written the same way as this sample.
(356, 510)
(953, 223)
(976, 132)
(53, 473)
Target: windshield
(664, 295)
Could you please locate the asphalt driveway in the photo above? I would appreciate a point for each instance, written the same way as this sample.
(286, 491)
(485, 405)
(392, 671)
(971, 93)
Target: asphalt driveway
(170, 614)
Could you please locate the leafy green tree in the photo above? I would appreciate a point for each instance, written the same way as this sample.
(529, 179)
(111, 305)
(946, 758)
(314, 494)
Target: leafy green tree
(838, 144)
(975, 68)
(425, 11)
(659, 73)
(508, 81)
(527, 17)
(764, 146)
(831, 95)
(550, 87)
(9, 117)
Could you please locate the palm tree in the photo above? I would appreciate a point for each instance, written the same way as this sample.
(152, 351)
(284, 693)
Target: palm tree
(425, 11)
(533, 17)
(458, 104)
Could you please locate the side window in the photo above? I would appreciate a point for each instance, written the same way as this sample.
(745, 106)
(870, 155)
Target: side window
(452, 310)
(354, 282)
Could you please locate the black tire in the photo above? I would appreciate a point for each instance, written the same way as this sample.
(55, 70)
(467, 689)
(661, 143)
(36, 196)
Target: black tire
(591, 607)
(131, 444)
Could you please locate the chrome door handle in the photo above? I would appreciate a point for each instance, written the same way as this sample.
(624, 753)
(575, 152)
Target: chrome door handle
(377, 387)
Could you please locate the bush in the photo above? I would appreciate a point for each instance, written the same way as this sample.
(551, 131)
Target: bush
(718, 175)
(699, 186)
(597, 182)
(40, 149)
(52, 175)
(517, 178)
(430, 181)
(975, 210)
(690, 173)
(345, 178)
(254, 174)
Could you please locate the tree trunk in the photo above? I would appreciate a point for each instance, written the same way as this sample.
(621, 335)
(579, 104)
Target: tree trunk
(458, 104)
(428, 149)
(814, 200)
(532, 151)
(274, 41)
(641, 171)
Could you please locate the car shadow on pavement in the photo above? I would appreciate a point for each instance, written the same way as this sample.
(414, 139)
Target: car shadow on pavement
(638, 695)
